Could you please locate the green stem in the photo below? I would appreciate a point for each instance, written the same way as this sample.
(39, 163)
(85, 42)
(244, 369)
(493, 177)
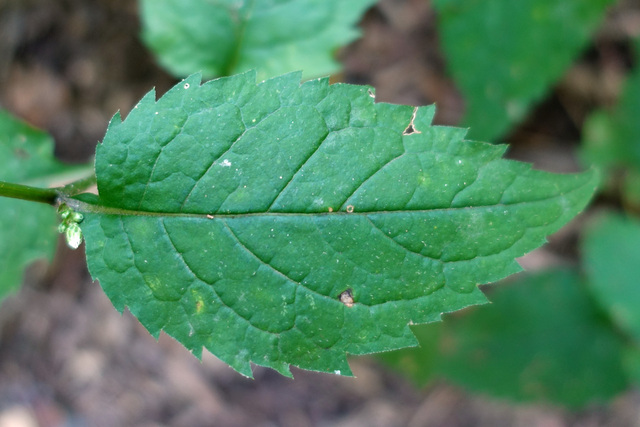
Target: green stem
(25, 192)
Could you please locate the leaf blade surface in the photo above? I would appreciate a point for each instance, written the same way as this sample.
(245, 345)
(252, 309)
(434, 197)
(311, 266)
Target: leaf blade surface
(237, 217)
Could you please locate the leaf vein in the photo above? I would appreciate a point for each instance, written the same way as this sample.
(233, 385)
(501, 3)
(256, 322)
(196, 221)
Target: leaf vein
(398, 243)
(295, 173)
(211, 285)
(271, 267)
(197, 181)
(157, 159)
(364, 181)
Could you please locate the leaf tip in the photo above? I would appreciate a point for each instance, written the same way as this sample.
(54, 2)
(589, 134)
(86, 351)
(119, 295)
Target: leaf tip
(193, 80)
(197, 352)
(422, 117)
(115, 121)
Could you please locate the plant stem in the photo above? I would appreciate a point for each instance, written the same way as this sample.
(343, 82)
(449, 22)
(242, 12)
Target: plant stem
(25, 192)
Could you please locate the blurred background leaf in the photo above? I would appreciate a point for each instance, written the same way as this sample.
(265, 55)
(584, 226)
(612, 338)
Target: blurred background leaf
(505, 55)
(611, 256)
(542, 339)
(612, 140)
(230, 36)
(28, 231)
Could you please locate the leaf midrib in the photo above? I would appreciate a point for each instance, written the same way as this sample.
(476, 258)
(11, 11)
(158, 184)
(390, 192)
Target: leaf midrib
(85, 207)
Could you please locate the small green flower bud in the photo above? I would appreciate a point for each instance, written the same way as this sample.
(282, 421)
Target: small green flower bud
(73, 235)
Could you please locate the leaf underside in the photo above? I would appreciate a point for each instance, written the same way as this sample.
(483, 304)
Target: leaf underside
(290, 224)
(231, 36)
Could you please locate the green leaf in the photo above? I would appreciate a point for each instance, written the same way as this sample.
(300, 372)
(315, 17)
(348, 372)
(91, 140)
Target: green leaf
(504, 54)
(541, 339)
(284, 223)
(27, 230)
(631, 360)
(612, 137)
(611, 249)
(418, 364)
(231, 36)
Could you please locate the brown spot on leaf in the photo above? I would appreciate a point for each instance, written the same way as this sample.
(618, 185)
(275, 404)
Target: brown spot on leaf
(346, 298)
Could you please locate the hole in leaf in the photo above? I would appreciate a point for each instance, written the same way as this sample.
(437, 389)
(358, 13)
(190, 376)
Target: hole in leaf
(410, 127)
(409, 130)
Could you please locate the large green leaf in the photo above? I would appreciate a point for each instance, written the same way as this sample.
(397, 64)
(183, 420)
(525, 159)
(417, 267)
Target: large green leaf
(541, 339)
(505, 54)
(27, 230)
(230, 36)
(284, 223)
(612, 260)
(418, 364)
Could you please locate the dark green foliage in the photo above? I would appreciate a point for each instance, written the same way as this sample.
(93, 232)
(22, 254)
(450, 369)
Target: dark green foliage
(283, 223)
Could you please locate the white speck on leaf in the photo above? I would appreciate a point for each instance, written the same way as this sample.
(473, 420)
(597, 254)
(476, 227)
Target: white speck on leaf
(186, 85)
(225, 163)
